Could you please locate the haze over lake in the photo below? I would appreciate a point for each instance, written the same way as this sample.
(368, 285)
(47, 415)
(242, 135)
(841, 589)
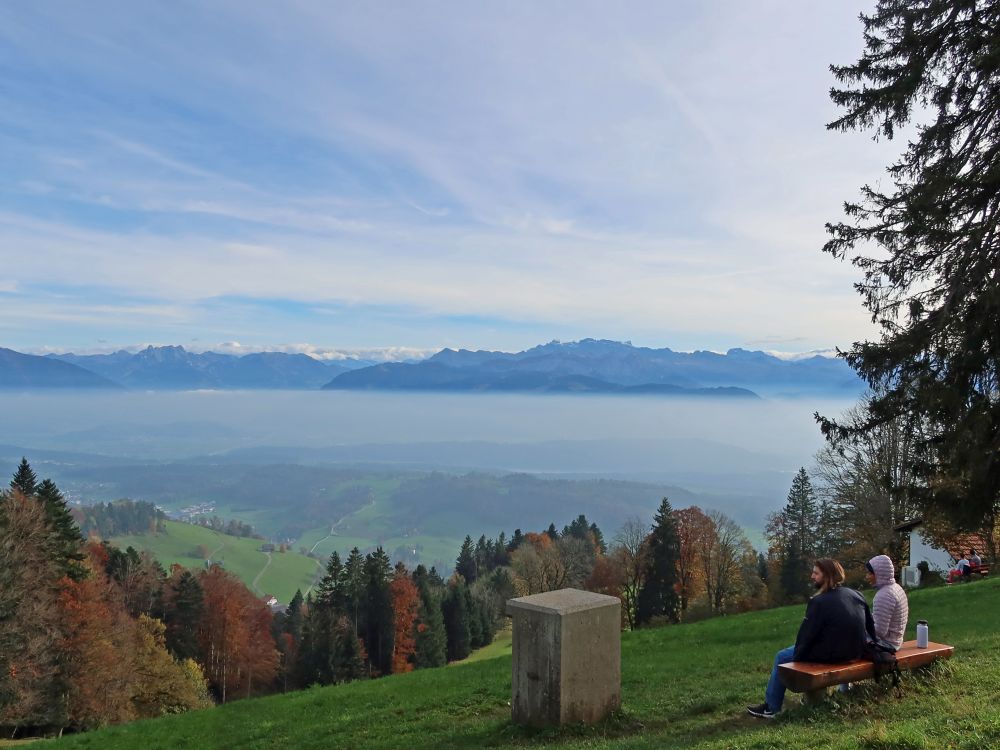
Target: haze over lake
(745, 451)
(224, 420)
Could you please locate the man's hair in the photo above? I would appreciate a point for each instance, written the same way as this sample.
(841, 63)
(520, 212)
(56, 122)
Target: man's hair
(833, 571)
(973, 551)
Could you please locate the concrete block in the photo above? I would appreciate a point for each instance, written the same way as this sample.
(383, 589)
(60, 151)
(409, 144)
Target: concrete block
(567, 657)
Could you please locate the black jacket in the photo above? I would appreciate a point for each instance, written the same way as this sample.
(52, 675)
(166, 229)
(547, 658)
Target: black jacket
(836, 626)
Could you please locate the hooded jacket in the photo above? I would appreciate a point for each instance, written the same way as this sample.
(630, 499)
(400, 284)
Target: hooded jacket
(890, 610)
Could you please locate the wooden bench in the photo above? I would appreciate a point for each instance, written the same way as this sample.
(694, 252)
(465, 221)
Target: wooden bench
(812, 679)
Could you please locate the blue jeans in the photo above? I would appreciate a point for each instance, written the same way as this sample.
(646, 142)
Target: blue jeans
(775, 694)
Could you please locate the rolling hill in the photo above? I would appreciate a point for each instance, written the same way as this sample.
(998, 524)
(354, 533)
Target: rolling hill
(275, 573)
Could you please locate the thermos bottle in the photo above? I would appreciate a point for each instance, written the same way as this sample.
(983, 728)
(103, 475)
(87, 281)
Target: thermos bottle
(922, 634)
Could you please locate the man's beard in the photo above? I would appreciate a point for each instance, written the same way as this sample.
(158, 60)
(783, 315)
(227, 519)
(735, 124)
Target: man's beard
(818, 585)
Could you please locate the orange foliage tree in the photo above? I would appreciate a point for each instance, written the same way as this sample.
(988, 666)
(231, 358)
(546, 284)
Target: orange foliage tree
(693, 528)
(405, 602)
(235, 638)
(117, 668)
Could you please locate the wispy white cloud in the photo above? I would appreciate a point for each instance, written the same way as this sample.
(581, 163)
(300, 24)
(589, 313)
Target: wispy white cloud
(645, 169)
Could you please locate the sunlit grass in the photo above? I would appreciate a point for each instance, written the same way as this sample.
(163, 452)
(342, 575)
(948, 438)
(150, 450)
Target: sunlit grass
(682, 686)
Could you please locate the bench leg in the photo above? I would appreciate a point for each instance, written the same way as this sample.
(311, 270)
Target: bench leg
(814, 697)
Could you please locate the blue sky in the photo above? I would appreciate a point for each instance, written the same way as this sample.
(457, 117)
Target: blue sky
(320, 175)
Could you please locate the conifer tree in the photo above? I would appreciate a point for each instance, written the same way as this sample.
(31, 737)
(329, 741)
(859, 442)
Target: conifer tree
(658, 596)
(294, 616)
(182, 614)
(24, 479)
(379, 626)
(465, 565)
(348, 656)
(475, 618)
(927, 243)
(794, 575)
(801, 513)
(552, 532)
(515, 541)
(331, 592)
(431, 638)
(354, 588)
(65, 532)
(456, 620)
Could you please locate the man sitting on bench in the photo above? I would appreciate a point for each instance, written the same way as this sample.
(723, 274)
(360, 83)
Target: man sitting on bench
(836, 626)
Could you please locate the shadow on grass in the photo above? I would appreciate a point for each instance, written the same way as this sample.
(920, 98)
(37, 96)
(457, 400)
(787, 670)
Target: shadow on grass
(620, 724)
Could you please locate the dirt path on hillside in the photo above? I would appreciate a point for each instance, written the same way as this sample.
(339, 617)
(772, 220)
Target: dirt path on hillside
(262, 570)
(333, 528)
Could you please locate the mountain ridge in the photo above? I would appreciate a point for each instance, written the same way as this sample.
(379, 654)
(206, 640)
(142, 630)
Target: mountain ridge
(603, 366)
(587, 366)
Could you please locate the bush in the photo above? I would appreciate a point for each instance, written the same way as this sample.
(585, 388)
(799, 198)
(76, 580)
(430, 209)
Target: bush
(928, 578)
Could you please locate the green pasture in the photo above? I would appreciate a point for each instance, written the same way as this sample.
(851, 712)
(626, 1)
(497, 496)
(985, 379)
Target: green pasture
(286, 572)
(682, 687)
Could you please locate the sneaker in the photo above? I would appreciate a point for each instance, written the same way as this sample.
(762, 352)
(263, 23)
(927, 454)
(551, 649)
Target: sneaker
(761, 711)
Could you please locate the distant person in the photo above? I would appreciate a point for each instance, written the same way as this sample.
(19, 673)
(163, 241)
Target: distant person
(975, 561)
(962, 568)
(890, 609)
(836, 627)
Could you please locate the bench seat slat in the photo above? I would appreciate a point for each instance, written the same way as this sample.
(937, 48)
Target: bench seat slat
(802, 677)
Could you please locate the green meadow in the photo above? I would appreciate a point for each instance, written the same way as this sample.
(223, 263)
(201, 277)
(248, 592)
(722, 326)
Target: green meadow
(279, 573)
(682, 687)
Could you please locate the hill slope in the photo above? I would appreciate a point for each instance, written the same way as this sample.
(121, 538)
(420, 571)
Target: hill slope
(278, 573)
(682, 687)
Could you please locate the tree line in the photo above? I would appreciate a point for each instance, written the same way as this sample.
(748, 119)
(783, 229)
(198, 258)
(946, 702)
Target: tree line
(120, 518)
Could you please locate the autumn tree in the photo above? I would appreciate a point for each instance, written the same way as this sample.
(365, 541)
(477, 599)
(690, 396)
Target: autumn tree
(138, 575)
(538, 565)
(405, 605)
(235, 637)
(630, 549)
(722, 555)
(870, 485)
(693, 527)
(31, 626)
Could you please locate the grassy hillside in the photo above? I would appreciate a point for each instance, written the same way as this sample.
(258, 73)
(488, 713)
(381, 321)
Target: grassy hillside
(281, 576)
(682, 687)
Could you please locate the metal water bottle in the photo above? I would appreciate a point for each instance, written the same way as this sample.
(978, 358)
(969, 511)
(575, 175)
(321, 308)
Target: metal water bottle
(922, 634)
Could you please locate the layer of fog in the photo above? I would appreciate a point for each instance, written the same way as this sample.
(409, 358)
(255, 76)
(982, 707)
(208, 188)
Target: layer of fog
(174, 424)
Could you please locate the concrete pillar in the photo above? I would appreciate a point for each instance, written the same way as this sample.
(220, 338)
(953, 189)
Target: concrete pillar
(567, 657)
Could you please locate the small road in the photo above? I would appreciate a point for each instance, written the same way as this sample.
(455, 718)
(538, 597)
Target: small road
(262, 570)
(333, 528)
